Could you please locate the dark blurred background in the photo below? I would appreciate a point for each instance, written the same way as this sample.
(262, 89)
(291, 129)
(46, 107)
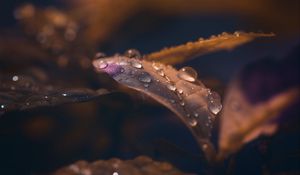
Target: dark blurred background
(119, 125)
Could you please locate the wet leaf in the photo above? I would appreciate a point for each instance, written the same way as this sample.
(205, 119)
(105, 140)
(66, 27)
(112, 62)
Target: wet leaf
(182, 53)
(23, 92)
(242, 122)
(186, 96)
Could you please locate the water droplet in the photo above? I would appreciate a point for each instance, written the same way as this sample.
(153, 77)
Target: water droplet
(15, 78)
(171, 87)
(237, 34)
(2, 106)
(172, 101)
(187, 74)
(157, 66)
(214, 102)
(64, 94)
(196, 115)
(193, 122)
(145, 77)
(132, 53)
(115, 173)
(180, 91)
(161, 72)
(99, 55)
(182, 103)
(102, 64)
(136, 64)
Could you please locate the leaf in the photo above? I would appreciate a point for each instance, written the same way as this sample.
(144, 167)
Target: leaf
(182, 53)
(182, 93)
(23, 92)
(242, 121)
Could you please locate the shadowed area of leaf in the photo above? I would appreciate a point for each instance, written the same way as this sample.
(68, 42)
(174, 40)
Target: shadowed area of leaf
(179, 91)
(23, 92)
(190, 50)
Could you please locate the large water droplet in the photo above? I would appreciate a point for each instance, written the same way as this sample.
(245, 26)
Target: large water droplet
(136, 64)
(171, 87)
(214, 102)
(187, 74)
(145, 77)
(133, 53)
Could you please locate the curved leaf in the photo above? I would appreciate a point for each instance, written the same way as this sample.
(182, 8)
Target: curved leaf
(188, 98)
(224, 41)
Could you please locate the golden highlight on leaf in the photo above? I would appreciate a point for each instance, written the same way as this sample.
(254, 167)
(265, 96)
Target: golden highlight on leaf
(224, 41)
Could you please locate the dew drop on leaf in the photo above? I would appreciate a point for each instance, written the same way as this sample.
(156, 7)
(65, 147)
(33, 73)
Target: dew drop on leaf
(136, 64)
(187, 74)
(214, 102)
(133, 53)
(171, 87)
(145, 77)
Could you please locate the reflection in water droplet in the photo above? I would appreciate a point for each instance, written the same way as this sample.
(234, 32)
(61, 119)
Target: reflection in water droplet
(145, 77)
(193, 122)
(187, 74)
(15, 78)
(115, 173)
(196, 114)
(132, 53)
(214, 102)
(2, 106)
(136, 64)
(171, 87)
(64, 94)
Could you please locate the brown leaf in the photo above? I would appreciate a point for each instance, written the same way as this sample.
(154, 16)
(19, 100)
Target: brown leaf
(182, 53)
(242, 122)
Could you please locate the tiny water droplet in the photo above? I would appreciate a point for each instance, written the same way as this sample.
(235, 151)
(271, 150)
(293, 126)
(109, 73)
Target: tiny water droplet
(161, 72)
(115, 173)
(145, 77)
(99, 55)
(180, 91)
(133, 53)
(2, 106)
(64, 94)
(187, 74)
(193, 122)
(136, 64)
(237, 34)
(171, 87)
(15, 78)
(102, 65)
(172, 101)
(182, 103)
(196, 115)
(214, 102)
(157, 66)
